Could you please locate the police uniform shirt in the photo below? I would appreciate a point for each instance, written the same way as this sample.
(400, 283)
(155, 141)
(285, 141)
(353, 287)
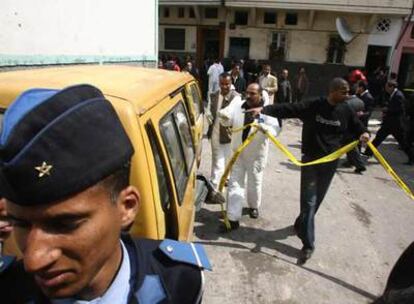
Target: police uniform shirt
(118, 291)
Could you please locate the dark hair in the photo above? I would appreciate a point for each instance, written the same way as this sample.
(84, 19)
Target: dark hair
(235, 64)
(392, 83)
(363, 84)
(225, 75)
(116, 182)
(258, 86)
(337, 84)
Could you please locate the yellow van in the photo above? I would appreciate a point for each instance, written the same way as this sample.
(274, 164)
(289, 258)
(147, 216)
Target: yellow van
(162, 114)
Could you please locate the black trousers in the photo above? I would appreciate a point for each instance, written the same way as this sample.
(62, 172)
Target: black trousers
(314, 183)
(392, 126)
(354, 158)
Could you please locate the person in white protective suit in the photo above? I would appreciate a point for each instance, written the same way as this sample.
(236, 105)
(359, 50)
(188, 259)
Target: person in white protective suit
(252, 160)
(220, 135)
(213, 73)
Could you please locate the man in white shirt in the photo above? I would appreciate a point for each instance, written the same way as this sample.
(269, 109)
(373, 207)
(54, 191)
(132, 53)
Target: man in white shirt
(213, 73)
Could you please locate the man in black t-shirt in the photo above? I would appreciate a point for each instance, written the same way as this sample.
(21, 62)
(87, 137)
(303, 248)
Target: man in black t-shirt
(325, 123)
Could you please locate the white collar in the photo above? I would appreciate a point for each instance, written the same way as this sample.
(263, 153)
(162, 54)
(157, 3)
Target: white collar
(116, 293)
(365, 92)
(393, 93)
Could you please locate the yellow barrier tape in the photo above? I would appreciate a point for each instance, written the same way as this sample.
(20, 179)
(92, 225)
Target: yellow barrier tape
(390, 171)
(328, 158)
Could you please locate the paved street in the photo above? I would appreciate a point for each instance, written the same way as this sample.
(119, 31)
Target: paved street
(364, 224)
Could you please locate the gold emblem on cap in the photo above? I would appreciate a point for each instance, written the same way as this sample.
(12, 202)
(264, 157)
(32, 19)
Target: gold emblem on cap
(44, 169)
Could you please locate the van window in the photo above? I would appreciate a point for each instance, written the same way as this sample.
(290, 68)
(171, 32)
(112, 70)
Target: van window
(185, 135)
(175, 131)
(196, 100)
(163, 184)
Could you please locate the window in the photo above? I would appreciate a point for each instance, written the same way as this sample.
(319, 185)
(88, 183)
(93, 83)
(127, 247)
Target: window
(166, 12)
(241, 17)
(291, 19)
(186, 139)
(196, 99)
(181, 12)
(162, 173)
(210, 13)
(175, 131)
(336, 50)
(192, 13)
(239, 47)
(269, 18)
(278, 46)
(384, 25)
(174, 39)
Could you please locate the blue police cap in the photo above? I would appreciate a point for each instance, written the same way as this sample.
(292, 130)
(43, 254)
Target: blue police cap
(56, 143)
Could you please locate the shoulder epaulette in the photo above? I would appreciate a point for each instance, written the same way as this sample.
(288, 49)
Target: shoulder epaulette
(5, 262)
(189, 253)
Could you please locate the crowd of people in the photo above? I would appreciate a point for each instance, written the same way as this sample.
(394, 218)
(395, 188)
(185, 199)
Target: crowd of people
(243, 73)
(85, 246)
(328, 124)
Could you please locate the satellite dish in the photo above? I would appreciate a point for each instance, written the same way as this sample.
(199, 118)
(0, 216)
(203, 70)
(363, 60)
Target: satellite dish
(343, 30)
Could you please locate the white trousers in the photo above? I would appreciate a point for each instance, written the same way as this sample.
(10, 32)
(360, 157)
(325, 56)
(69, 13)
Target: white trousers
(272, 99)
(246, 168)
(220, 156)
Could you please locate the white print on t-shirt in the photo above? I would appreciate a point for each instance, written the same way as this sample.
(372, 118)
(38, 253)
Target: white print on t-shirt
(325, 121)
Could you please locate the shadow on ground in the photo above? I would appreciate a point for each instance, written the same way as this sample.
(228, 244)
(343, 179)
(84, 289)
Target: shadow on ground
(208, 233)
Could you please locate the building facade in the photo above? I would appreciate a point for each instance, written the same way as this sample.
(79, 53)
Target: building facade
(288, 32)
(51, 32)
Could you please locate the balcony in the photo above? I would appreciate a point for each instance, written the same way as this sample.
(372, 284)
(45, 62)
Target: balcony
(386, 7)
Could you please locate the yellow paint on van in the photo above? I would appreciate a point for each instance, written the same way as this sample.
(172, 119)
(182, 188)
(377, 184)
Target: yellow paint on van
(140, 96)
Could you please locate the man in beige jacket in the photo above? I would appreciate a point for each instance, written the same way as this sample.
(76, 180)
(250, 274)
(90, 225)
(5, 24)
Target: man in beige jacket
(268, 82)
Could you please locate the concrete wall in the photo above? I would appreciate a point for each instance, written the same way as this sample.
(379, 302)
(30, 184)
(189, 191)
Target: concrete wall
(259, 41)
(77, 31)
(308, 46)
(389, 38)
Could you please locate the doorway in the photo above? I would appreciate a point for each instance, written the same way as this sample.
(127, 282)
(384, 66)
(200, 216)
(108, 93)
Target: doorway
(377, 56)
(210, 45)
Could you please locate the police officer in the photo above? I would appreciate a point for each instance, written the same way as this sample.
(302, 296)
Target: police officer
(400, 284)
(65, 162)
